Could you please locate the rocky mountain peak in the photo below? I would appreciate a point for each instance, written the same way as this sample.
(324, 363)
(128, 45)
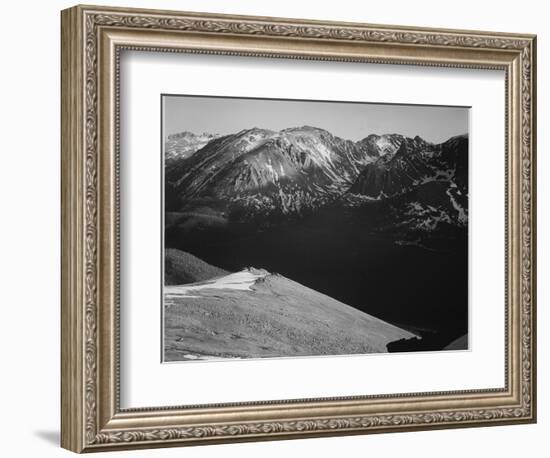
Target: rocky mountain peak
(184, 144)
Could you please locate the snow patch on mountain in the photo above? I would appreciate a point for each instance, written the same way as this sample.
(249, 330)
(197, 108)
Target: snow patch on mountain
(462, 214)
(184, 144)
(242, 281)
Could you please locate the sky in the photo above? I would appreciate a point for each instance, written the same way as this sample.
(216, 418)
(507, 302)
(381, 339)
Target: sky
(348, 120)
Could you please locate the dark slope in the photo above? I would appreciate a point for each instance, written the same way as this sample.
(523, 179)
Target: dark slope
(181, 268)
(458, 344)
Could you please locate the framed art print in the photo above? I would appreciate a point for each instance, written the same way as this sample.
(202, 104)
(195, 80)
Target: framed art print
(278, 228)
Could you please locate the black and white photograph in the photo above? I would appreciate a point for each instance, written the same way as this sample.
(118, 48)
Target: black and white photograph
(299, 228)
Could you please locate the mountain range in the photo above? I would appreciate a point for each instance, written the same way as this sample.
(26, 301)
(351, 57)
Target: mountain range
(303, 165)
(257, 174)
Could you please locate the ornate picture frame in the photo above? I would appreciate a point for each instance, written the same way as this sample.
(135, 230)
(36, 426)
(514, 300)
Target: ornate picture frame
(92, 41)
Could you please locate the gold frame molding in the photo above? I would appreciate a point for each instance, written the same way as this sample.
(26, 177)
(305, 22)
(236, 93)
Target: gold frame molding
(92, 39)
